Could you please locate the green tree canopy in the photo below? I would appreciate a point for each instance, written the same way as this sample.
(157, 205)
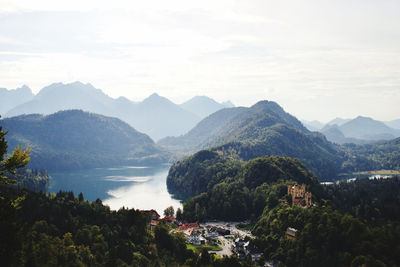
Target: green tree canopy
(8, 165)
(169, 211)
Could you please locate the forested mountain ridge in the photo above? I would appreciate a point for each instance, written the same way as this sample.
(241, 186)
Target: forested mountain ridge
(205, 131)
(377, 156)
(75, 139)
(223, 188)
(155, 116)
(348, 224)
(261, 130)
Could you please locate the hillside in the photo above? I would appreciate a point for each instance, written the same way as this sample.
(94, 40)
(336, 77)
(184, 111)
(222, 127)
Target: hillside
(75, 139)
(206, 131)
(227, 189)
(67, 230)
(377, 156)
(261, 130)
(347, 224)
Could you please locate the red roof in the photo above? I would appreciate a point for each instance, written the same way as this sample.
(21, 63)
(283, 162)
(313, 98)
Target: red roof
(192, 232)
(152, 212)
(169, 219)
(154, 222)
(188, 225)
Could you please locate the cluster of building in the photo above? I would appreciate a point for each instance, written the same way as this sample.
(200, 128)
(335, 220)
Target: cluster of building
(193, 233)
(222, 234)
(155, 218)
(300, 196)
(245, 249)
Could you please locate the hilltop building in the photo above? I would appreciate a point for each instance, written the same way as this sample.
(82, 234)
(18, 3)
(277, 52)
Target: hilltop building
(291, 233)
(300, 197)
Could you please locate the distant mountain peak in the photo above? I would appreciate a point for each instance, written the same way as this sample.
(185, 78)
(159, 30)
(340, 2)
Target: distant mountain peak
(156, 98)
(154, 95)
(363, 118)
(12, 98)
(202, 106)
(338, 121)
(263, 103)
(266, 105)
(228, 104)
(24, 87)
(123, 99)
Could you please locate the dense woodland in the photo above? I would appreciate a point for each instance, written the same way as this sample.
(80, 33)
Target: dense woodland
(66, 230)
(264, 129)
(381, 155)
(350, 224)
(75, 139)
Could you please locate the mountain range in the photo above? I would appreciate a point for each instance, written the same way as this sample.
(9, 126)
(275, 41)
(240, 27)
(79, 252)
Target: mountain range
(75, 139)
(156, 115)
(203, 106)
(263, 129)
(12, 98)
(360, 130)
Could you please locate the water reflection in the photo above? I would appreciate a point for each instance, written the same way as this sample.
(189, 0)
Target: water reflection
(130, 186)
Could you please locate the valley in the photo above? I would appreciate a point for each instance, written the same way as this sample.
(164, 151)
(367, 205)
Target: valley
(234, 164)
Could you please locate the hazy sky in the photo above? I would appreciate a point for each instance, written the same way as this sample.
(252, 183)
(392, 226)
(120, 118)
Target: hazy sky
(319, 59)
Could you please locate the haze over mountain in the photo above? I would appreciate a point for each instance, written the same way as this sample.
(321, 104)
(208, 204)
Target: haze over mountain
(368, 128)
(393, 124)
(263, 129)
(335, 135)
(313, 125)
(59, 96)
(338, 121)
(12, 98)
(75, 139)
(203, 106)
(359, 130)
(156, 115)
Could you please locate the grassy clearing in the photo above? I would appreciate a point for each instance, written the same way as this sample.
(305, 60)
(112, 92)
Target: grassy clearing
(198, 248)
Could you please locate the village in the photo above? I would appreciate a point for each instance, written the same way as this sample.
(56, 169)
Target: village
(219, 238)
(229, 238)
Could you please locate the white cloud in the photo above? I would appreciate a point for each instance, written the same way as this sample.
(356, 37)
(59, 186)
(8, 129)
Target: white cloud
(303, 54)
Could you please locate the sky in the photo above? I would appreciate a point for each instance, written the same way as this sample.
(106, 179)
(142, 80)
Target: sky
(319, 59)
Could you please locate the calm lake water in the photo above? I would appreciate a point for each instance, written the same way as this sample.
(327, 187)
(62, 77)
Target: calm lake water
(130, 186)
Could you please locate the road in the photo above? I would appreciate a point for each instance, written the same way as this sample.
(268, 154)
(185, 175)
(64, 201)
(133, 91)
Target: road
(227, 243)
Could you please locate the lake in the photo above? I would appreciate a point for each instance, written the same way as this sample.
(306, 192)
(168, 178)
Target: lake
(129, 186)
